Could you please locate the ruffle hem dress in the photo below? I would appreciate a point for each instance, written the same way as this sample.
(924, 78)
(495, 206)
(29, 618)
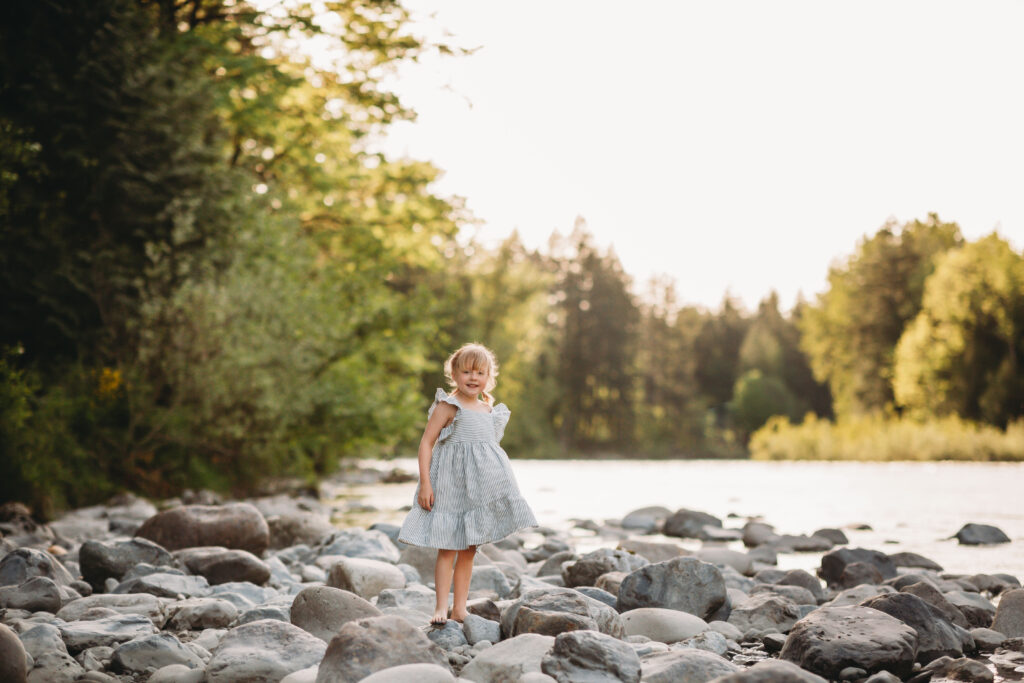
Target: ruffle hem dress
(476, 498)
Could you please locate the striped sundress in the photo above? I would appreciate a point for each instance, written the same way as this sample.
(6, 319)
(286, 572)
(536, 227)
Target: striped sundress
(476, 499)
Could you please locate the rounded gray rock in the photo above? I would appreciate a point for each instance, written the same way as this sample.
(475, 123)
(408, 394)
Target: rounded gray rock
(510, 660)
(222, 565)
(835, 562)
(102, 561)
(153, 652)
(367, 646)
(323, 610)
(550, 611)
(13, 662)
(1009, 618)
(592, 657)
(263, 652)
(421, 673)
(685, 523)
(981, 534)
(682, 583)
(234, 525)
(22, 564)
(38, 594)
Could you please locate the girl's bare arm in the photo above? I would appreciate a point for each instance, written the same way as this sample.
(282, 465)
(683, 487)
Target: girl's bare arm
(443, 414)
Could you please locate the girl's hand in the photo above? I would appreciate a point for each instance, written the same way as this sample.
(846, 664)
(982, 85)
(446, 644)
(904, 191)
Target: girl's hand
(426, 497)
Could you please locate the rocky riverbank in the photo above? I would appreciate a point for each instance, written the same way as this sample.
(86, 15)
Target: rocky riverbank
(268, 589)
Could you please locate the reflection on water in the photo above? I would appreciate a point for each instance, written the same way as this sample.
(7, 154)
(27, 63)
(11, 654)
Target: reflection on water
(913, 507)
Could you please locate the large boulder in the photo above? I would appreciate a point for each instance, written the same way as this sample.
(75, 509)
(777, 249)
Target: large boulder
(981, 534)
(234, 525)
(13, 662)
(834, 563)
(263, 652)
(102, 561)
(222, 565)
(553, 610)
(830, 639)
(510, 660)
(685, 666)
(585, 570)
(22, 564)
(593, 657)
(1009, 618)
(363, 647)
(936, 635)
(685, 523)
(323, 610)
(682, 583)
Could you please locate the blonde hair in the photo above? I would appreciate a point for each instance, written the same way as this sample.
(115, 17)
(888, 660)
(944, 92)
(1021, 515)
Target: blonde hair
(478, 357)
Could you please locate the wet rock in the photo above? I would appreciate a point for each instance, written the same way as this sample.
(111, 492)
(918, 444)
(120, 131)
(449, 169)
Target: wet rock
(591, 656)
(773, 671)
(663, 625)
(234, 525)
(421, 673)
(914, 560)
(685, 523)
(981, 534)
(101, 561)
(22, 564)
(142, 604)
(835, 562)
(38, 594)
(830, 639)
(153, 652)
(933, 597)
(263, 652)
(448, 636)
(477, 629)
(366, 578)
(221, 565)
(364, 544)
(685, 666)
(584, 571)
(765, 612)
(683, 583)
(323, 610)
(936, 635)
(1009, 617)
(195, 614)
(510, 660)
(550, 611)
(366, 646)
(13, 660)
(109, 631)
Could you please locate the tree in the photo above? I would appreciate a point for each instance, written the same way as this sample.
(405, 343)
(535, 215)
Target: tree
(850, 332)
(962, 353)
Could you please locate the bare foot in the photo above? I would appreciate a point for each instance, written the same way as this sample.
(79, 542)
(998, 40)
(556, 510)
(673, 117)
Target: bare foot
(458, 616)
(440, 617)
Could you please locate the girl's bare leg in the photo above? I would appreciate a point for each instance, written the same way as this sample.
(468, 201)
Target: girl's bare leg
(442, 584)
(463, 574)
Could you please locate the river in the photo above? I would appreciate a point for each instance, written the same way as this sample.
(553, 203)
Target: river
(909, 506)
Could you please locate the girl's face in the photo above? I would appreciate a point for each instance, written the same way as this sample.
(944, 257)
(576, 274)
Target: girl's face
(471, 381)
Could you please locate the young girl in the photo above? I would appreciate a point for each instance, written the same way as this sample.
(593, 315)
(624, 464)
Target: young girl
(467, 494)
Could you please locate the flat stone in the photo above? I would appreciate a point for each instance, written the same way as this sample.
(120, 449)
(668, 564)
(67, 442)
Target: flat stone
(109, 631)
(153, 652)
(366, 646)
(165, 585)
(234, 525)
(510, 660)
(143, 604)
(263, 652)
(662, 625)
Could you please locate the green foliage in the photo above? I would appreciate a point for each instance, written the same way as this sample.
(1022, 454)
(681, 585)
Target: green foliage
(875, 437)
(962, 354)
(851, 332)
(758, 397)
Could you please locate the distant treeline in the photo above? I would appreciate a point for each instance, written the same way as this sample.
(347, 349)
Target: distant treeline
(209, 277)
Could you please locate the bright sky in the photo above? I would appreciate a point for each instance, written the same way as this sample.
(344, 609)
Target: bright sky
(730, 145)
